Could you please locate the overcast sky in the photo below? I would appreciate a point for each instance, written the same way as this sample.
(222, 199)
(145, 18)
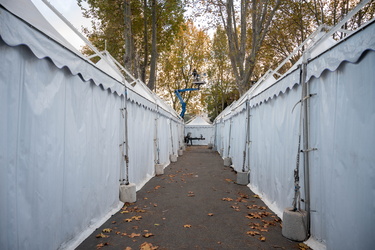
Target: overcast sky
(70, 11)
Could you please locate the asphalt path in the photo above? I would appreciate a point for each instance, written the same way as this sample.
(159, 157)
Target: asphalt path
(195, 204)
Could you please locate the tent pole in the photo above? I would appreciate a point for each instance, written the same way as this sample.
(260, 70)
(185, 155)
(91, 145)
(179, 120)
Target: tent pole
(230, 135)
(247, 138)
(170, 126)
(215, 134)
(126, 157)
(156, 138)
(306, 127)
(248, 135)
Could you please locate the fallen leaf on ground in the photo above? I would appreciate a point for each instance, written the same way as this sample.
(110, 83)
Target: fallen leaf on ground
(252, 233)
(262, 208)
(147, 246)
(137, 218)
(128, 248)
(155, 205)
(187, 226)
(210, 214)
(107, 230)
(244, 196)
(191, 194)
(272, 223)
(255, 215)
(236, 208)
(124, 212)
(134, 235)
(128, 220)
(147, 235)
(262, 238)
(100, 245)
(157, 187)
(303, 246)
(101, 235)
(252, 206)
(229, 180)
(227, 199)
(256, 196)
(254, 224)
(239, 199)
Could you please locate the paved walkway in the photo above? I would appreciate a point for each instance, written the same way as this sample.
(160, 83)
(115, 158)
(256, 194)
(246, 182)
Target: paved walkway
(196, 204)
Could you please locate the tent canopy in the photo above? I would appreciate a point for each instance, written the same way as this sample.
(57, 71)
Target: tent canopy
(198, 121)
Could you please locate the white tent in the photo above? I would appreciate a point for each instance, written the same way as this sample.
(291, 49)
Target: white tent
(265, 123)
(199, 127)
(62, 135)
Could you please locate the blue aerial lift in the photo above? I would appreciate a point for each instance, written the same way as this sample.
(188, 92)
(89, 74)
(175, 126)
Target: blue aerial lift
(197, 82)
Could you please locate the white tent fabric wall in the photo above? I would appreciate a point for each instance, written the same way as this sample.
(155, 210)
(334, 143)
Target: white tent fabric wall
(199, 127)
(238, 139)
(164, 141)
(56, 152)
(342, 169)
(342, 121)
(207, 132)
(226, 130)
(61, 128)
(141, 144)
(274, 143)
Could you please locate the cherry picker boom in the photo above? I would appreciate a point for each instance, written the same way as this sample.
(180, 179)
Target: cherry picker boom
(197, 82)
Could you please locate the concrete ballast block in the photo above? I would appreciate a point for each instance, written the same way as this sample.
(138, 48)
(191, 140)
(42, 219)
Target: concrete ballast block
(173, 158)
(180, 152)
(159, 169)
(128, 193)
(294, 224)
(227, 161)
(243, 178)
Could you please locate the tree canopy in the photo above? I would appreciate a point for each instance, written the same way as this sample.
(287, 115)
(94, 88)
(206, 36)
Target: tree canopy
(233, 42)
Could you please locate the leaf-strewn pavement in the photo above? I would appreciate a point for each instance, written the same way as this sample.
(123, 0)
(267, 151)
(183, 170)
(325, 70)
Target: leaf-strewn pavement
(196, 204)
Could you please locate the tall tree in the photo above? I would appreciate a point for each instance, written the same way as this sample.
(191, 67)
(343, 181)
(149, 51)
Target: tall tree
(154, 52)
(129, 55)
(221, 90)
(246, 23)
(189, 51)
(126, 26)
(243, 58)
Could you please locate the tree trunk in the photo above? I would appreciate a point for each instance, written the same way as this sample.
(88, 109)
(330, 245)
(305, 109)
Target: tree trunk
(145, 41)
(129, 56)
(261, 16)
(154, 52)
